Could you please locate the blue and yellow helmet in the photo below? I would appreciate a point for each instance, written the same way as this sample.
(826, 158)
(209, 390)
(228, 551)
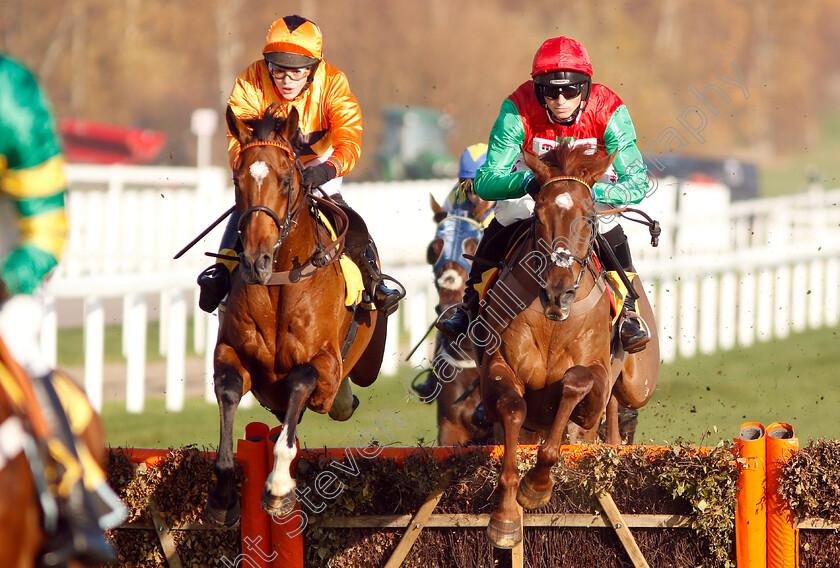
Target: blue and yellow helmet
(472, 159)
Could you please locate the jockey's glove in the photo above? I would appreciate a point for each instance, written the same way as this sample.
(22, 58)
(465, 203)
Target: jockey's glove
(23, 269)
(533, 187)
(316, 176)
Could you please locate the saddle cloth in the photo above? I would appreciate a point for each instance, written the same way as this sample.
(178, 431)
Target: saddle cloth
(351, 272)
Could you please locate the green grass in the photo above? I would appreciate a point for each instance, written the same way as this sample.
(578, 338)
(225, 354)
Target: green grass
(703, 400)
(71, 353)
(199, 422)
(791, 380)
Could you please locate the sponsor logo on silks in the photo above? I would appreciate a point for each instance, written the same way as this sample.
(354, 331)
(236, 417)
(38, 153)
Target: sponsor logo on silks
(543, 145)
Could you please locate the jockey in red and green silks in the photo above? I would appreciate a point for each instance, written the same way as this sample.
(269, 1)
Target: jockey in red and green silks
(524, 121)
(559, 103)
(32, 178)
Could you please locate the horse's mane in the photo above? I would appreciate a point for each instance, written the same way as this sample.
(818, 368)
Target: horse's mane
(263, 126)
(574, 160)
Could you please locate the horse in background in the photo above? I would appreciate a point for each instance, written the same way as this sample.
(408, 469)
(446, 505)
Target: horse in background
(292, 333)
(457, 234)
(544, 336)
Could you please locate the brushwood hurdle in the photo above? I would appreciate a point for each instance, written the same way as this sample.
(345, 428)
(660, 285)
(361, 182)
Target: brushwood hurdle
(765, 530)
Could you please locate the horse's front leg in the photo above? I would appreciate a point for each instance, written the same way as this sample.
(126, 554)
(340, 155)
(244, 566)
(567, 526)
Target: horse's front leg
(613, 432)
(578, 381)
(223, 506)
(504, 404)
(278, 497)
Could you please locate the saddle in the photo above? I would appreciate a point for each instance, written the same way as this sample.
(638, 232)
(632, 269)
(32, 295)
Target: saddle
(349, 269)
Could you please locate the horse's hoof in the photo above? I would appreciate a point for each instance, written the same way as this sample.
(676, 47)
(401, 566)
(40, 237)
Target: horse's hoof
(346, 416)
(504, 534)
(220, 516)
(277, 506)
(529, 498)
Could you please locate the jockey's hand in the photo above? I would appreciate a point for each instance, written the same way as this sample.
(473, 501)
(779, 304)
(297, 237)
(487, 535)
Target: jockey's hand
(21, 317)
(533, 188)
(24, 268)
(316, 176)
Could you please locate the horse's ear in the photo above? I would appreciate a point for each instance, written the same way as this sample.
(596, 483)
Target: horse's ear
(290, 127)
(536, 165)
(598, 166)
(235, 126)
(436, 208)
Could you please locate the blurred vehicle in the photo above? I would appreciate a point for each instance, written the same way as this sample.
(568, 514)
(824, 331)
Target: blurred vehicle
(739, 176)
(89, 142)
(414, 144)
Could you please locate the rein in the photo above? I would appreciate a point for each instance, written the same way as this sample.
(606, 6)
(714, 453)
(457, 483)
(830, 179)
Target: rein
(324, 254)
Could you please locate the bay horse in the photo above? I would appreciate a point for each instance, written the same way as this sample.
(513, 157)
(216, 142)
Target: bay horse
(457, 234)
(23, 537)
(287, 335)
(544, 337)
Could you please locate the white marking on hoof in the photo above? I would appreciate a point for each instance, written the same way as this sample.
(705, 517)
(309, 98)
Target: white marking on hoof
(279, 482)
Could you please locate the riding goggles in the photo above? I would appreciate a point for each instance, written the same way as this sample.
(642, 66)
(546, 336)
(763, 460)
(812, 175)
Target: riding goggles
(281, 72)
(568, 91)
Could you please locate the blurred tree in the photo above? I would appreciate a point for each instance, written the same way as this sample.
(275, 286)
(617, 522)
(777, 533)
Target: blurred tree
(150, 63)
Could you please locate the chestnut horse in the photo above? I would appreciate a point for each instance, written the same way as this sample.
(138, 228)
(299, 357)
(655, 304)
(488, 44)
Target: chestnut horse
(457, 233)
(23, 537)
(293, 343)
(545, 336)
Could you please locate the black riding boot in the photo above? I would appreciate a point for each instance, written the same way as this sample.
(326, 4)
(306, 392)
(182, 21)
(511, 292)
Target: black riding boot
(458, 324)
(214, 283)
(384, 298)
(632, 333)
(358, 246)
(79, 535)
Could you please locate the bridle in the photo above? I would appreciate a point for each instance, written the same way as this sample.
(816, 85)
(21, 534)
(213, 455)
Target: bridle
(647, 220)
(324, 254)
(292, 211)
(563, 259)
(454, 229)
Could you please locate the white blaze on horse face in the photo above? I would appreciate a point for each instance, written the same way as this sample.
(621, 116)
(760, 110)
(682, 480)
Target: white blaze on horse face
(450, 279)
(259, 171)
(279, 481)
(564, 201)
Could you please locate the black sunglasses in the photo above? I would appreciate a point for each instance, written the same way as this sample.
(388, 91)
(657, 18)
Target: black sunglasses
(568, 91)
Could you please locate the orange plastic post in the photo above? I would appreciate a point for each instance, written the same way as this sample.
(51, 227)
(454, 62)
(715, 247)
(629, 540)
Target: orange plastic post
(286, 532)
(255, 526)
(750, 509)
(782, 534)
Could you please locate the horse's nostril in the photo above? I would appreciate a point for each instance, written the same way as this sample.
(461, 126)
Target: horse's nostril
(264, 262)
